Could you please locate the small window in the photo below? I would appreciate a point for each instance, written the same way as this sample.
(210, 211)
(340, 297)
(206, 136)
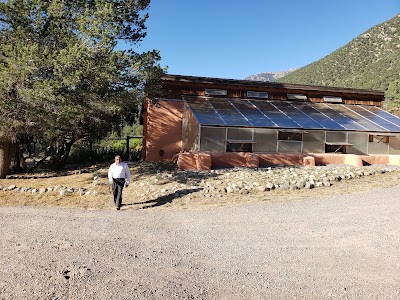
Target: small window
(296, 97)
(333, 148)
(216, 92)
(239, 147)
(379, 139)
(260, 95)
(336, 147)
(332, 99)
(290, 136)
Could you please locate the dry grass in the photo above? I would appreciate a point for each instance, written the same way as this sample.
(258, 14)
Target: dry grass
(135, 196)
(12, 198)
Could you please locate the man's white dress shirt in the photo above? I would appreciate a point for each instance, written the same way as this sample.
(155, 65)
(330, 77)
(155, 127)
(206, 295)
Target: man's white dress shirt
(119, 171)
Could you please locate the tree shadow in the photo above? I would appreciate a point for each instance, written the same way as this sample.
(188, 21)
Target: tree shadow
(167, 172)
(162, 200)
(42, 173)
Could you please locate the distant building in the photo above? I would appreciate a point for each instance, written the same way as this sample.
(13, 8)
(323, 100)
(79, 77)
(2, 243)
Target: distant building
(279, 123)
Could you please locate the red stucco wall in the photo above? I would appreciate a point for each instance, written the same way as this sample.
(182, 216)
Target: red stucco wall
(238, 159)
(163, 130)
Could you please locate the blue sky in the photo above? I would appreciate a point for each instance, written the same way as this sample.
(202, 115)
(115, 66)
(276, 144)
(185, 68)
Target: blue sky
(235, 39)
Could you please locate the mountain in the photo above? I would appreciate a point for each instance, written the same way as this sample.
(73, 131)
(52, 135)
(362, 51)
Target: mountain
(370, 61)
(269, 76)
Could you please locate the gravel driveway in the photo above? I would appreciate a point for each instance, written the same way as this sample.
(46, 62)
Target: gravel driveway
(340, 247)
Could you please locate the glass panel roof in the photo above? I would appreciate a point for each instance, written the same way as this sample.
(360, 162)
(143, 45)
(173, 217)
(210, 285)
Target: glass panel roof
(292, 115)
(331, 111)
(379, 116)
(318, 117)
(252, 114)
(280, 119)
(228, 113)
(354, 113)
(205, 113)
(296, 115)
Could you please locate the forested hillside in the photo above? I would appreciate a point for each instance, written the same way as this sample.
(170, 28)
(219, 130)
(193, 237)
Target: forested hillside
(370, 61)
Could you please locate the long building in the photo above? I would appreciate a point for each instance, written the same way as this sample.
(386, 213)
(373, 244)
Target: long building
(234, 120)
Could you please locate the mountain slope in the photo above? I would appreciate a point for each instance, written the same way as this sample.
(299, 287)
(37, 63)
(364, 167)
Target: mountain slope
(269, 76)
(370, 61)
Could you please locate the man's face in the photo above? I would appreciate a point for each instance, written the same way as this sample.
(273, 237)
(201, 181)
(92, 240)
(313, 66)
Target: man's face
(117, 160)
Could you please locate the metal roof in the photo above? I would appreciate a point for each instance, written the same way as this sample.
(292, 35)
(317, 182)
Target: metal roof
(292, 115)
(262, 84)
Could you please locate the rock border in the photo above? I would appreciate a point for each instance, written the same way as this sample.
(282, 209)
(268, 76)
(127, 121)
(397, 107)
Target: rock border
(61, 190)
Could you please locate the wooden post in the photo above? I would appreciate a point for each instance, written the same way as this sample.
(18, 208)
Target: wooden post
(127, 147)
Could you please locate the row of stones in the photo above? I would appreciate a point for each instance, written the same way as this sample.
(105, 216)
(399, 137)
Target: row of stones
(291, 179)
(61, 190)
(244, 181)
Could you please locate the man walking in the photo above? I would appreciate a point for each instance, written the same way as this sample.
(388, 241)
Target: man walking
(119, 176)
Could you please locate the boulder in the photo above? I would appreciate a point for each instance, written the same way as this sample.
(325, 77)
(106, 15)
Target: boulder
(269, 186)
(308, 185)
(261, 188)
(284, 186)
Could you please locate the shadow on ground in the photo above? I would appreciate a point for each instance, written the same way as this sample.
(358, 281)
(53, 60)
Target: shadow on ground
(162, 200)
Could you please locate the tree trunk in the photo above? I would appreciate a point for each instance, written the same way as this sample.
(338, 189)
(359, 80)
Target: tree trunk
(6, 153)
(91, 153)
(16, 159)
(60, 156)
(64, 158)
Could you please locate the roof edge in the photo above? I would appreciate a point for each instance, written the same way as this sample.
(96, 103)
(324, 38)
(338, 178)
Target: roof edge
(267, 84)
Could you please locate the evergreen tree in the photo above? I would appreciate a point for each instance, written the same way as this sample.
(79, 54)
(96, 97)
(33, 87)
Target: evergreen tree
(62, 77)
(369, 61)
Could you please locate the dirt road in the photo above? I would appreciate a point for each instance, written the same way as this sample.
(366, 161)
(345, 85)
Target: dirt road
(338, 247)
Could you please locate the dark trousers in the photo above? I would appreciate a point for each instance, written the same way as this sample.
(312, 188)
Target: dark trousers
(117, 187)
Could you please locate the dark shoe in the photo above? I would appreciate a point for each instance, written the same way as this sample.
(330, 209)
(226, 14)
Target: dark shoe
(118, 208)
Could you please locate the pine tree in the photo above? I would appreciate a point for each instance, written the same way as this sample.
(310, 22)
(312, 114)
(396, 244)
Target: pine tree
(62, 77)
